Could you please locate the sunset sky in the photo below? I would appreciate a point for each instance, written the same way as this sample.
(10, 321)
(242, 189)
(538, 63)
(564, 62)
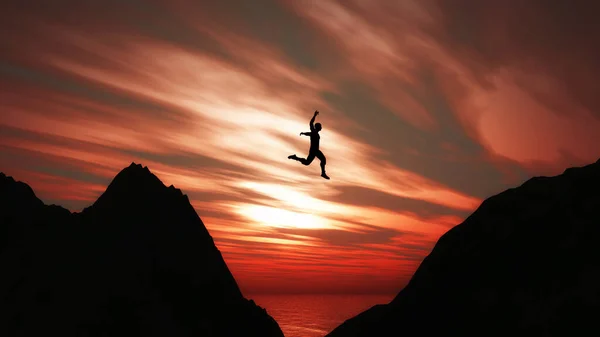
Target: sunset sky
(428, 107)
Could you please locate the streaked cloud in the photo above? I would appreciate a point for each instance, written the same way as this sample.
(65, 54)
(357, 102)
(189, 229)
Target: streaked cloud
(420, 122)
(495, 97)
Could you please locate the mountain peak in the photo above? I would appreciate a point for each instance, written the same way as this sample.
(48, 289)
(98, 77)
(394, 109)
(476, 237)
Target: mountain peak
(137, 174)
(525, 262)
(141, 176)
(139, 261)
(16, 192)
(138, 168)
(137, 185)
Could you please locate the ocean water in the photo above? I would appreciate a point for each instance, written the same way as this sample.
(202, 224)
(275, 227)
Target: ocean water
(315, 315)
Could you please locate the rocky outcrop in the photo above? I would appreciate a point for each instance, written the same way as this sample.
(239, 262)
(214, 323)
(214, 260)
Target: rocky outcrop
(526, 262)
(138, 262)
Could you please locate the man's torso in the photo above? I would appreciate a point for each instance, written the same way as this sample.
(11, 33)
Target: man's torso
(314, 140)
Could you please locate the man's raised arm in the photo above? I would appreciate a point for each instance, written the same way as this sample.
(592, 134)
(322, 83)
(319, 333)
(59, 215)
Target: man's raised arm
(312, 121)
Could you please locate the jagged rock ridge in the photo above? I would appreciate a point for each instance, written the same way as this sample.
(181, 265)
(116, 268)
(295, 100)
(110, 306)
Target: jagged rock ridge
(526, 262)
(138, 262)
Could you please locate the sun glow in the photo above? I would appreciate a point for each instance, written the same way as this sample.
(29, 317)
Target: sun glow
(293, 197)
(219, 125)
(281, 218)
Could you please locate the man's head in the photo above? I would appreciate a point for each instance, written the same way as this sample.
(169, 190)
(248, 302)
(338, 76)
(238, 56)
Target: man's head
(318, 126)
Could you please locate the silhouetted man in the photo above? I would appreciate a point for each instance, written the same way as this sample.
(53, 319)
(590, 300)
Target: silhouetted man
(314, 146)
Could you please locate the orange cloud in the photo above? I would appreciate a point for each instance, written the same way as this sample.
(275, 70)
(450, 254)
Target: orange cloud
(219, 126)
(389, 45)
(382, 54)
(512, 123)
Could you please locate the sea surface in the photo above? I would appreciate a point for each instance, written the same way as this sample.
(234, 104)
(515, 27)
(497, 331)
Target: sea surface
(315, 315)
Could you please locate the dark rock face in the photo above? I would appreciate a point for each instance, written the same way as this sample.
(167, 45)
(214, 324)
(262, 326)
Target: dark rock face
(526, 263)
(138, 262)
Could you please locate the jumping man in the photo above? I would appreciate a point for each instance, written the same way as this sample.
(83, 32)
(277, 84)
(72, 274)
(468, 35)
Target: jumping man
(314, 146)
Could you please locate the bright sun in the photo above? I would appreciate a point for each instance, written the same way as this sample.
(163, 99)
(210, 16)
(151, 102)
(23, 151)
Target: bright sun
(281, 218)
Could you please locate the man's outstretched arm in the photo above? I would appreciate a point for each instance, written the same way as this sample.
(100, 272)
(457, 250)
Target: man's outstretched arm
(312, 121)
(304, 133)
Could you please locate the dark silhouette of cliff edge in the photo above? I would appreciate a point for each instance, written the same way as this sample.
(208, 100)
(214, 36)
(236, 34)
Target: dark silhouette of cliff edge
(138, 262)
(525, 263)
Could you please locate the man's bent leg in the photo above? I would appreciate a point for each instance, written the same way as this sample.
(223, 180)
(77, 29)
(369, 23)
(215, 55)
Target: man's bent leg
(309, 159)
